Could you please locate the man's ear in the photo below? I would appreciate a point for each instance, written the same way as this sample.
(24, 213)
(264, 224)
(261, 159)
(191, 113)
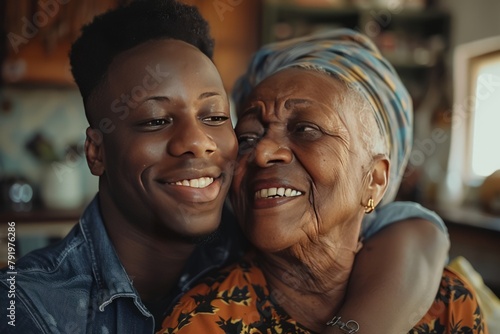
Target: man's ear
(378, 179)
(94, 151)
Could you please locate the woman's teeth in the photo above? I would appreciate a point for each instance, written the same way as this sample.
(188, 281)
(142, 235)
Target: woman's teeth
(277, 192)
(201, 182)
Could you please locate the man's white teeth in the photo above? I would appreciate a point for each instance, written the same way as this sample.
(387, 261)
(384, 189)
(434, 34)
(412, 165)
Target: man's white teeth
(202, 182)
(277, 192)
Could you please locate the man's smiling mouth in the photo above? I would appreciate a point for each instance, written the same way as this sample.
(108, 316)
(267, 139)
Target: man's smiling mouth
(201, 182)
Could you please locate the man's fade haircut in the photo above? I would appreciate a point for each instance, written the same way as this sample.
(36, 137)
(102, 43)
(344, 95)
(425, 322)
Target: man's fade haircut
(125, 27)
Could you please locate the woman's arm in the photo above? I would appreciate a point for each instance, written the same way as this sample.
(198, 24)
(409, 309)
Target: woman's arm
(395, 278)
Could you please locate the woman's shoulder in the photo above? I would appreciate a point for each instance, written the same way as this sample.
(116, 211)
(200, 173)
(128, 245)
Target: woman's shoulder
(455, 308)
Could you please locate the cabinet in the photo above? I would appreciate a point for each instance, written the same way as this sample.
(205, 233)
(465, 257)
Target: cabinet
(413, 40)
(38, 37)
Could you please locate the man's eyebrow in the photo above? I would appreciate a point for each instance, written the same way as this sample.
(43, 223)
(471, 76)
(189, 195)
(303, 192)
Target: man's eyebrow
(156, 98)
(207, 95)
(161, 98)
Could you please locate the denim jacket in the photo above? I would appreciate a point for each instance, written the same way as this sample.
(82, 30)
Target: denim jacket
(80, 286)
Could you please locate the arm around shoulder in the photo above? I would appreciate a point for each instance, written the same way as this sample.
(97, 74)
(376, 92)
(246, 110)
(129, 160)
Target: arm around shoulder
(389, 287)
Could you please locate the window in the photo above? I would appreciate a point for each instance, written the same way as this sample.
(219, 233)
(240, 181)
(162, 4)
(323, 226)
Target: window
(486, 119)
(474, 147)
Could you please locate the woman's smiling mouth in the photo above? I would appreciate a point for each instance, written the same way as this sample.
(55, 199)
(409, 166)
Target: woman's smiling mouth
(271, 197)
(276, 193)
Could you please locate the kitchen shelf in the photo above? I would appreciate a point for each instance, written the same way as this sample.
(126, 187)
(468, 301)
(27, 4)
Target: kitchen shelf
(412, 40)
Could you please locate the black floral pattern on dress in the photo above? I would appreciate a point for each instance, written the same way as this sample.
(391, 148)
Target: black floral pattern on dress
(243, 288)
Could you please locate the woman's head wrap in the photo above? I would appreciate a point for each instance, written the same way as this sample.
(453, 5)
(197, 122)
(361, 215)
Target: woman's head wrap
(354, 59)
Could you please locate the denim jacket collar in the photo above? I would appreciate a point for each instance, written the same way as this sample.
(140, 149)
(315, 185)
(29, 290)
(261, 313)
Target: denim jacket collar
(110, 275)
(112, 279)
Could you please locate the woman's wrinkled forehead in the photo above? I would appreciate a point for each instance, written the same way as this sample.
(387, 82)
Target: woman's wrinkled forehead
(301, 89)
(301, 78)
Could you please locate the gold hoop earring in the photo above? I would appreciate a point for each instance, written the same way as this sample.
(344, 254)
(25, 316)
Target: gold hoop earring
(370, 206)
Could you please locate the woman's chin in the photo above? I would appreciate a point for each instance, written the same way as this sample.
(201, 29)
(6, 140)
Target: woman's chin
(268, 242)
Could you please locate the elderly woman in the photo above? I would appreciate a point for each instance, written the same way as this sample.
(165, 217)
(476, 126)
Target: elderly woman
(324, 137)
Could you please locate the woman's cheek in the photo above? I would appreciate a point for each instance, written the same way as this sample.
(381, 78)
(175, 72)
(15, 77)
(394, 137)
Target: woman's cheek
(237, 194)
(239, 171)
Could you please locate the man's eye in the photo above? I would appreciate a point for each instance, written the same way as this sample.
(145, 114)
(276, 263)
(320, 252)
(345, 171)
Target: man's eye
(159, 122)
(215, 120)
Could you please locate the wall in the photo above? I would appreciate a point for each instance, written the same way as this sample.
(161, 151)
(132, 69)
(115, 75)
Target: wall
(473, 20)
(235, 26)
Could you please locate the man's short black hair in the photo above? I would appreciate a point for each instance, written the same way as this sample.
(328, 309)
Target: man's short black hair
(125, 27)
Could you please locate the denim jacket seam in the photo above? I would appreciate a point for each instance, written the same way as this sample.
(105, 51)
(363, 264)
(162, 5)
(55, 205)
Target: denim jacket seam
(93, 260)
(59, 260)
(36, 318)
(95, 270)
(33, 315)
(133, 295)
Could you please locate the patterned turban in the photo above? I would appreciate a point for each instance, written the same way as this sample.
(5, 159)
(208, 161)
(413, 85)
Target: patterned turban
(354, 59)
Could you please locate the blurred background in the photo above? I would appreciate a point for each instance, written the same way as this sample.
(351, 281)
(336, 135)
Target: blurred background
(446, 51)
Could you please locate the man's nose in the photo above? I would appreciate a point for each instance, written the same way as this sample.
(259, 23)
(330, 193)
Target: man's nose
(190, 138)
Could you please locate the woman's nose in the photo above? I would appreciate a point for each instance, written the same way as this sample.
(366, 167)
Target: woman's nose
(270, 151)
(192, 140)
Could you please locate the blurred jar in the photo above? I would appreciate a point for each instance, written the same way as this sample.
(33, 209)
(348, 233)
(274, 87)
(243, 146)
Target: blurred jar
(60, 187)
(17, 194)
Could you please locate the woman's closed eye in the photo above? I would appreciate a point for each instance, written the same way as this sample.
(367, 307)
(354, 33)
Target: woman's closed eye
(307, 131)
(247, 141)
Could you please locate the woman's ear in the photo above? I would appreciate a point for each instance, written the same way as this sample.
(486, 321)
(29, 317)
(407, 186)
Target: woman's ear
(378, 179)
(94, 151)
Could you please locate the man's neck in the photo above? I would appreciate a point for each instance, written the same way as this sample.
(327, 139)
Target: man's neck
(154, 264)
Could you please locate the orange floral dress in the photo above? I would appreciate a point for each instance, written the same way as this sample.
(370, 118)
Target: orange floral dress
(238, 300)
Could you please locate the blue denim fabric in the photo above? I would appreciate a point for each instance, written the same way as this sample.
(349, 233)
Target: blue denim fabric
(398, 211)
(80, 286)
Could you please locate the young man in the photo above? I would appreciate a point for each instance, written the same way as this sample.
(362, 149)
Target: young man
(161, 142)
